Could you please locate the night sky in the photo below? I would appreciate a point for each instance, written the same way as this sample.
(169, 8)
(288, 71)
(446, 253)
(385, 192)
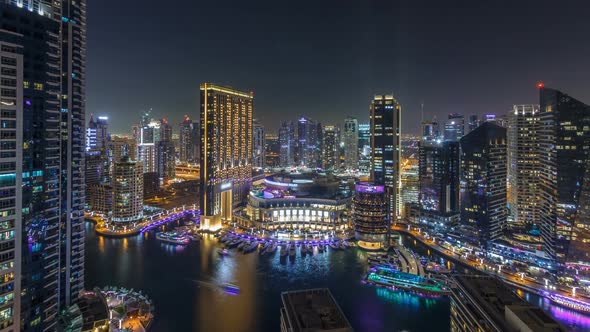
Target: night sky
(326, 59)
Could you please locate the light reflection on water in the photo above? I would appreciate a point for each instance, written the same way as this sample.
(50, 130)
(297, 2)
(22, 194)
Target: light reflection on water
(170, 274)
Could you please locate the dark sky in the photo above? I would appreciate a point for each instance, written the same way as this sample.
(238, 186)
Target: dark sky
(326, 58)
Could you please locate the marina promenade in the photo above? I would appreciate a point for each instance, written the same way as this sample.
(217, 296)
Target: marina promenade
(166, 216)
(513, 279)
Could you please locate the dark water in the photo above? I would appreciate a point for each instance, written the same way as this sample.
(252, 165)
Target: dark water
(169, 273)
(177, 278)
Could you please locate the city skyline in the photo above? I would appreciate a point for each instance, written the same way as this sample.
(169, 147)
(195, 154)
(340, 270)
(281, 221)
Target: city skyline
(449, 58)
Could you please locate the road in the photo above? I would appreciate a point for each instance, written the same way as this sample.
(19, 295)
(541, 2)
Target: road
(515, 280)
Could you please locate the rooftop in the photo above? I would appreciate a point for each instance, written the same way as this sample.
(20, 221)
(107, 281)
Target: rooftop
(506, 310)
(313, 310)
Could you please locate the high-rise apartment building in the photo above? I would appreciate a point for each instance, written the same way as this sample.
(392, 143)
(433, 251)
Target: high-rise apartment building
(523, 165)
(454, 127)
(122, 146)
(97, 135)
(306, 142)
(272, 149)
(258, 160)
(365, 148)
(564, 143)
(127, 192)
(370, 216)
(287, 144)
(330, 158)
(385, 114)
(43, 96)
(473, 122)
(187, 151)
(430, 131)
(226, 152)
(439, 182)
(351, 141)
(483, 174)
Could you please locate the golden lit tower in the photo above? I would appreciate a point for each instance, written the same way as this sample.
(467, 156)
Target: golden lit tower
(226, 150)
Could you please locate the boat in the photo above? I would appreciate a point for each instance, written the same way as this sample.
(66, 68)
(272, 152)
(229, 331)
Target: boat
(230, 288)
(384, 276)
(334, 246)
(310, 248)
(321, 247)
(292, 252)
(346, 244)
(172, 237)
(233, 243)
(243, 245)
(342, 246)
(303, 250)
(263, 247)
(283, 250)
(272, 248)
(223, 252)
(251, 247)
(568, 302)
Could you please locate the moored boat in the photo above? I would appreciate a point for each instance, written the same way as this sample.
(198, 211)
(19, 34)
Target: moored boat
(283, 250)
(223, 252)
(172, 237)
(272, 248)
(303, 250)
(251, 247)
(334, 246)
(292, 249)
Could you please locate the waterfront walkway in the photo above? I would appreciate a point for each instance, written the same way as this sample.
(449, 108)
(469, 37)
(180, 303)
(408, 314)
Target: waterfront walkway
(154, 221)
(515, 280)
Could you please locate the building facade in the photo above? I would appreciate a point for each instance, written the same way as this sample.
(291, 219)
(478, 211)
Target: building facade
(259, 158)
(127, 192)
(297, 201)
(351, 138)
(370, 216)
(385, 114)
(439, 182)
(330, 156)
(287, 144)
(523, 166)
(454, 127)
(307, 148)
(483, 174)
(226, 152)
(43, 196)
(564, 143)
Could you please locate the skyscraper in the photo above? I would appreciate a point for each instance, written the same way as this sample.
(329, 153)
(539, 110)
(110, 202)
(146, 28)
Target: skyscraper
(287, 144)
(439, 182)
(306, 142)
(365, 148)
(523, 165)
(226, 152)
(97, 135)
(455, 127)
(272, 150)
(564, 143)
(185, 151)
(331, 137)
(385, 114)
(370, 215)
(483, 174)
(43, 95)
(473, 122)
(351, 138)
(430, 130)
(127, 192)
(259, 146)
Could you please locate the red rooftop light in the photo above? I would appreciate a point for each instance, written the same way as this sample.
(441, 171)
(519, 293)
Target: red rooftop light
(540, 85)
